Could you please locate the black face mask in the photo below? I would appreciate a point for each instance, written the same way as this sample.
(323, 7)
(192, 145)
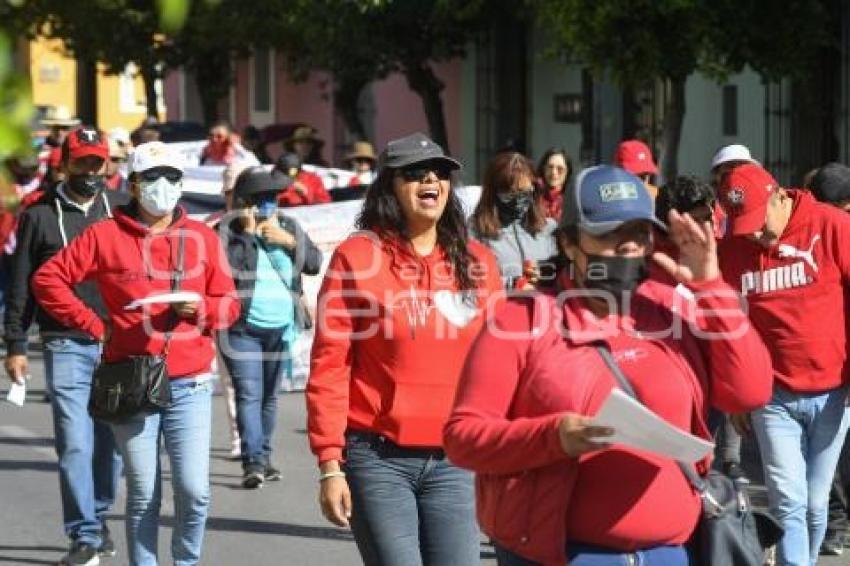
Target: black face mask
(513, 206)
(86, 185)
(616, 275)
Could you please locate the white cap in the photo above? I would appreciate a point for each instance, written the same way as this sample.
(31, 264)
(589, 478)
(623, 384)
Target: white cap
(120, 135)
(154, 154)
(734, 152)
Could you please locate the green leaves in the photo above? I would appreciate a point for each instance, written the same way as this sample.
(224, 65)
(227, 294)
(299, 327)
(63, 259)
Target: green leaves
(16, 107)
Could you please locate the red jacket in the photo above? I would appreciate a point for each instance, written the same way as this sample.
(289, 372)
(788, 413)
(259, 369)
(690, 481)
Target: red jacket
(389, 343)
(110, 253)
(316, 192)
(795, 293)
(522, 375)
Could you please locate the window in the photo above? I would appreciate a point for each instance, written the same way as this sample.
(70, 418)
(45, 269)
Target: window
(730, 110)
(262, 87)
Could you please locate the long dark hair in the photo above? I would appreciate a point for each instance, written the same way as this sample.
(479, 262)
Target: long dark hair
(382, 213)
(541, 165)
(501, 173)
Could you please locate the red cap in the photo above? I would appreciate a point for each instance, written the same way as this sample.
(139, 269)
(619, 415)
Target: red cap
(744, 192)
(635, 157)
(85, 141)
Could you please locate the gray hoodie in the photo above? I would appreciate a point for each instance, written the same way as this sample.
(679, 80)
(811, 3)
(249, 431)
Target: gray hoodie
(515, 244)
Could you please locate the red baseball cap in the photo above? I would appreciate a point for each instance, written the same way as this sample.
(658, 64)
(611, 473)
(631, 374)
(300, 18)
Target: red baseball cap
(744, 192)
(635, 157)
(85, 141)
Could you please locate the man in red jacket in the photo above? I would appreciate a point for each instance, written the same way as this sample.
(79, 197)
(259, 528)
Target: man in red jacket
(788, 256)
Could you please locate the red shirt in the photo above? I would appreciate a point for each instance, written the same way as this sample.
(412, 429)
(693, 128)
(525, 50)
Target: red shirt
(523, 374)
(110, 253)
(390, 342)
(795, 292)
(316, 192)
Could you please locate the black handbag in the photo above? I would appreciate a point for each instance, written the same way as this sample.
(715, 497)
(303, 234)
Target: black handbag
(139, 383)
(730, 532)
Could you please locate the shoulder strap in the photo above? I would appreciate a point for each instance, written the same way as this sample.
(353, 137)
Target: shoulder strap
(275, 265)
(695, 480)
(176, 281)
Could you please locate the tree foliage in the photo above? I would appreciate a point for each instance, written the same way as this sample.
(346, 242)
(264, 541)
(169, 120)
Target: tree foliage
(638, 42)
(360, 41)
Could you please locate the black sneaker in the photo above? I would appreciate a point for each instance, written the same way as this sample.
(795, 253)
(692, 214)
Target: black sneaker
(734, 470)
(81, 554)
(833, 544)
(254, 476)
(272, 473)
(107, 545)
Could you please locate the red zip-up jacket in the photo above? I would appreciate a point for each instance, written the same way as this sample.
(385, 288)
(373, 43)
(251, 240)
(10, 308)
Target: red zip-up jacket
(391, 338)
(127, 262)
(524, 373)
(795, 292)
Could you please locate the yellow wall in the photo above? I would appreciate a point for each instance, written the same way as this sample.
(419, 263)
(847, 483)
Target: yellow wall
(53, 73)
(120, 101)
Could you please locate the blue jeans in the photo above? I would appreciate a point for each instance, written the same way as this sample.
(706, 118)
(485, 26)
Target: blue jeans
(800, 438)
(185, 428)
(586, 555)
(89, 466)
(410, 507)
(254, 358)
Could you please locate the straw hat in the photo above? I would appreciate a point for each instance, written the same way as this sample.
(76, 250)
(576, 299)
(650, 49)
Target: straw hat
(60, 116)
(361, 150)
(303, 133)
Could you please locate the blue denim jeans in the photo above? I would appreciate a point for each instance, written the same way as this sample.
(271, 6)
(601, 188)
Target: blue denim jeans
(410, 507)
(89, 466)
(800, 438)
(586, 555)
(185, 428)
(254, 358)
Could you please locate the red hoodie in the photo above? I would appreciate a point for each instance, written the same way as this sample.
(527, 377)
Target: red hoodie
(795, 293)
(390, 343)
(110, 253)
(316, 192)
(524, 372)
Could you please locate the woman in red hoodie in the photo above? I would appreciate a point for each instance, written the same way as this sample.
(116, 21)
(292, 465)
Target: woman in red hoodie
(400, 305)
(549, 487)
(134, 256)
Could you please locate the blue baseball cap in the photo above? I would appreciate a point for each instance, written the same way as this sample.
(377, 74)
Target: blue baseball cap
(606, 197)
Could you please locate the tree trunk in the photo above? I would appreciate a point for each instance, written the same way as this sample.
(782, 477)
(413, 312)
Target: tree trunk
(149, 77)
(213, 76)
(423, 81)
(674, 117)
(346, 98)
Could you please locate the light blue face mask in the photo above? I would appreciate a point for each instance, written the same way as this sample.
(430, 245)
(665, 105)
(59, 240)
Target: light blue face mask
(160, 197)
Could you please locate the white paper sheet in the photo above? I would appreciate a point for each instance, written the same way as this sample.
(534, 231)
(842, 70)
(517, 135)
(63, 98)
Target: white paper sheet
(178, 297)
(17, 393)
(638, 427)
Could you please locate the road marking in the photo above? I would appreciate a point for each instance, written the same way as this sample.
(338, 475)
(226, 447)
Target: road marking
(14, 431)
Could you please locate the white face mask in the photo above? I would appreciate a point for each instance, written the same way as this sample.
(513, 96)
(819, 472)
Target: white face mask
(159, 198)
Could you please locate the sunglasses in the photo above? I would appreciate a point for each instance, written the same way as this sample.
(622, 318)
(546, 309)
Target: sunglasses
(117, 160)
(419, 172)
(153, 175)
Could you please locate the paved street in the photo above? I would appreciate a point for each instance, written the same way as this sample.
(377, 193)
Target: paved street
(277, 525)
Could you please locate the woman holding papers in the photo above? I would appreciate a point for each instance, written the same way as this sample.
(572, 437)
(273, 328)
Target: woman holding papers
(550, 488)
(399, 307)
(133, 258)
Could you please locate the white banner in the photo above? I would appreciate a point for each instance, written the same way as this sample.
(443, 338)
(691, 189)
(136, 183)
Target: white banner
(326, 224)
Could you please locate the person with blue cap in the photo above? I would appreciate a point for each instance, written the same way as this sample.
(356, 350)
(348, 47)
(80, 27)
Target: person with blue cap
(551, 488)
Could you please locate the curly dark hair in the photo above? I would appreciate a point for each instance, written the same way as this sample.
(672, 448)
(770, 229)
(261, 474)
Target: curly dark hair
(382, 214)
(683, 194)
